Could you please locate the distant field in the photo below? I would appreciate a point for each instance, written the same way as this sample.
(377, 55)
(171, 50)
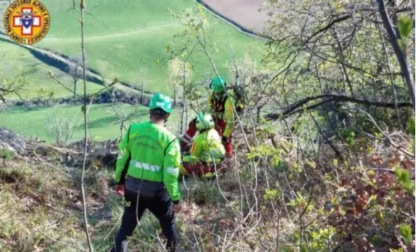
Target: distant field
(103, 121)
(17, 61)
(128, 38)
(124, 39)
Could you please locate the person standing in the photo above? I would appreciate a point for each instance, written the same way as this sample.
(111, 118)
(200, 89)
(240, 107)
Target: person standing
(147, 172)
(222, 106)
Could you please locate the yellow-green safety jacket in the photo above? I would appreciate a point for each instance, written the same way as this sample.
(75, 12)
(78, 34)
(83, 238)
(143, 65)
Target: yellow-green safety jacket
(207, 147)
(150, 152)
(223, 108)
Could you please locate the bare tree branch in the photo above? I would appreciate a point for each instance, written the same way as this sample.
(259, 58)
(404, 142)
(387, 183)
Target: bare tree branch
(85, 116)
(61, 84)
(11, 87)
(296, 107)
(328, 26)
(386, 135)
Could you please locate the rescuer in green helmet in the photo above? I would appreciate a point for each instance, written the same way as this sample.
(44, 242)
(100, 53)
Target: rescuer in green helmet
(222, 107)
(147, 173)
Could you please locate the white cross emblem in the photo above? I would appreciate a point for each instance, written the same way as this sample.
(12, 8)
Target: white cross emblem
(24, 21)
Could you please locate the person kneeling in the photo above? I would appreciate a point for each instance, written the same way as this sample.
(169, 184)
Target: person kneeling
(207, 151)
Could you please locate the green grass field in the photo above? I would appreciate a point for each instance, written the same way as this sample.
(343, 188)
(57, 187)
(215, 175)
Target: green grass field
(103, 120)
(125, 39)
(130, 44)
(17, 62)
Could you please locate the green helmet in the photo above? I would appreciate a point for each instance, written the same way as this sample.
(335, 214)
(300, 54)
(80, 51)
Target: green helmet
(204, 121)
(161, 101)
(218, 84)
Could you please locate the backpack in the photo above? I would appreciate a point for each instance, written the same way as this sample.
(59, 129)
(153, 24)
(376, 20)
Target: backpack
(238, 95)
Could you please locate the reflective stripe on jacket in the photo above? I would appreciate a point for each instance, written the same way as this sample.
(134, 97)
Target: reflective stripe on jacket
(150, 152)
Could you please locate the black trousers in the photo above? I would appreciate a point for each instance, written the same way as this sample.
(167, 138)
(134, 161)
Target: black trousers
(159, 204)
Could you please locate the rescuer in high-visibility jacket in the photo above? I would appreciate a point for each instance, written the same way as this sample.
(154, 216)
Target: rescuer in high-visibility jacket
(222, 106)
(207, 150)
(147, 173)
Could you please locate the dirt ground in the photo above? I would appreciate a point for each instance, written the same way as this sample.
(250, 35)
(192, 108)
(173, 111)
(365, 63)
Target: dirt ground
(243, 12)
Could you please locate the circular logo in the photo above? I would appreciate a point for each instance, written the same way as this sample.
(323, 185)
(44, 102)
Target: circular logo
(26, 21)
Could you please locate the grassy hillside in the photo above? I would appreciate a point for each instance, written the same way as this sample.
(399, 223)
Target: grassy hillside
(334, 174)
(125, 40)
(18, 64)
(103, 120)
(129, 44)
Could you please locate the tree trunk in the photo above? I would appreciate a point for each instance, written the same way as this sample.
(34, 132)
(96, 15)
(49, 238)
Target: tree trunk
(401, 56)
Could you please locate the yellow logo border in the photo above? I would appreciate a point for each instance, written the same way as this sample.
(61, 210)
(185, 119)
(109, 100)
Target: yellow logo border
(42, 14)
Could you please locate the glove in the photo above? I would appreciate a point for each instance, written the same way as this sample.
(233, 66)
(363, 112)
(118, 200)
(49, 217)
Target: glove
(119, 189)
(224, 139)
